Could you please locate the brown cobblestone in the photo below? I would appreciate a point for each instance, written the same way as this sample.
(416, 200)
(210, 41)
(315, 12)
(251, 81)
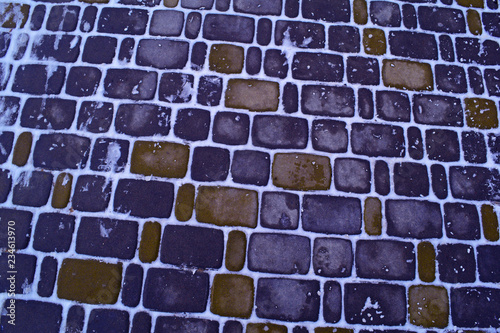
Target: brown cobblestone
(170, 3)
(374, 41)
(428, 306)
(265, 328)
(254, 95)
(94, 1)
(62, 190)
(426, 258)
(373, 216)
(490, 223)
(22, 149)
(474, 22)
(471, 3)
(408, 75)
(162, 159)
(332, 330)
(302, 172)
(360, 11)
(236, 250)
(227, 206)
(89, 281)
(14, 15)
(226, 58)
(481, 113)
(150, 242)
(184, 202)
(232, 295)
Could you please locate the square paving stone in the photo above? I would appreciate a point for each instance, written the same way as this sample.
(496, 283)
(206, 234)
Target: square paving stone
(141, 322)
(364, 71)
(82, 81)
(481, 113)
(488, 263)
(104, 237)
(478, 311)
(171, 290)
(279, 253)
(352, 175)
(461, 221)
(210, 164)
(109, 155)
(32, 316)
(442, 145)
(231, 128)
(385, 14)
(275, 64)
(92, 193)
(176, 87)
(95, 117)
(329, 135)
(99, 50)
(280, 210)
(192, 246)
(53, 232)
(456, 263)
(25, 266)
(209, 90)
(393, 106)
(232, 295)
(226, 58)
(108, 320)
(32, 188)
(428, 306)
(492, 79)
(473, 183)
(385, 259)
(332, 257)
(344, 39)
(375, 304)
(451, 79)
(183, 324)
(166, 23)
(251, 167)
(22, 220)
(414, 219)
(331, 215)
(411, 179)
(192, 124)
(143, 198)
(287, 299)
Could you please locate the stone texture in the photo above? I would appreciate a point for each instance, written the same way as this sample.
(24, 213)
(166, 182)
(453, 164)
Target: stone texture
(142, 119)
(184, 202)
(456, 263)
(192, 124)
(275, 132)
(374, 41)
(150, 242)
(236, 248)
(352, 175)
(332, 257)
(330, 101)
(426, 259)
(301, 172)
(407, 75)
(232, 295)
(53, 232)
(210, 164)
(476, 314)
(377, 140)
(412, 218)
(253, 95)
(250, 167)
(461, 221)
(229, 28)
(437, 110)
(317, 67)
(481, 113)
(162, 54)
(329, 136)
(428, 306)
(280, 210)
(161, 159)
(329, 11)
(226, 58)
(300, 34)
(231, 128)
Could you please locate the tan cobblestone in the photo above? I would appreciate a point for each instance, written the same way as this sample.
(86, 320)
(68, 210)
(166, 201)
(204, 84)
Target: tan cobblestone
(373, 216)
(161, 159)
(265, 328)
(490, 223)
(428, 306)
(22, 149)
(471, 3)
(302, 172)
(232, 295)
(481, 113)
(253, 95)
(426, 258)
(236, 250)
(89, 281)
(332, 330)
(62, 190)
(150, 242)
(184, 203)
(374, 41)
(474, 22)
(226, 58)
(409, 75)
(360, 11)
(170, 3)
(227, 206)
(14, 15)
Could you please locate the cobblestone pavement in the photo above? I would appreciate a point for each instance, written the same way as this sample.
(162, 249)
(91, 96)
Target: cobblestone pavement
(249, 166)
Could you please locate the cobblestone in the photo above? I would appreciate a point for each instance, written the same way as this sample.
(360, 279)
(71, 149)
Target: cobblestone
(53, 232)
(331, 215)
(279, 132)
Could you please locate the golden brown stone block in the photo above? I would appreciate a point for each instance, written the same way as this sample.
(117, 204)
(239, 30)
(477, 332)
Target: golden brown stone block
(302, 172)
(161, 159)
(360, 11)
(265, 328)
(253, 95)
(89, 281)
(481, 113)
(226, 58)
(236, 250)
(372, 216)
(184, 203)
(227, 206)
(170, 3)
(232, 295)
(490, 223)
(471, 3)
(428, 306)
(22, 149)
(474, 22)
(332, 330)
(14, 15)
(426, 258)
(150, 242)
(407, 75)
(374, 41)
(62, 190)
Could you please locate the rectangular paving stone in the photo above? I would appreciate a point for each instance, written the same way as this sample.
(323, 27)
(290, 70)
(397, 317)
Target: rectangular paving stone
(481, 113)
(333, 101)
(25, 265)
(89, 281)
(441, 19)
(53, 232)
(144, 198)
(48, 113)
(230, 28)
(477, 312)
(60, 151)
(329, 135)
(271, 7)
(302, 172)
(123, 21)
(413, 45)
(279, 253)
(62, 190)
(331, 214)
(329, 11)
(91, 193)
(377, 140)
(150, 242)
(407, 75)
(226, 206)
(299, 34)
(161, 159)
(426, 259)
(413, 218)
(62, 48)
(279, 132)
(31, 314)
(176, 87)
(48, 80)
(236, 248)
(132, 285)
(195, 325)
(48, 272)
(162, 53)
(32, 188)
(254, 95)
(332, 257)
(437, 110)
(142, 119)
(172, 290)
(428, 306)
(105, 237)
(130, 84)
(474, 183)
(100, 319)
(318, 67)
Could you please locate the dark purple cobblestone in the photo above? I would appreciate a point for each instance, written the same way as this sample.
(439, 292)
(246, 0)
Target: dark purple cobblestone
(32, 189)
(23, 224)
(75, 318)
(45, 316)
(48, 271)
(53, 232)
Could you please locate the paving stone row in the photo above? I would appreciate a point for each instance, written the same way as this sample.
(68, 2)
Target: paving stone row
(264, 163)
